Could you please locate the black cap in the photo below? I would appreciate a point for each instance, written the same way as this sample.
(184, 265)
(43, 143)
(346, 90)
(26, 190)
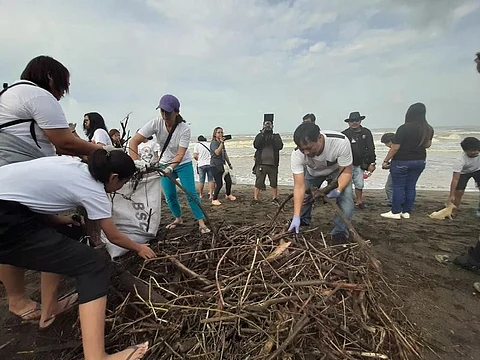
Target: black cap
(268, 117)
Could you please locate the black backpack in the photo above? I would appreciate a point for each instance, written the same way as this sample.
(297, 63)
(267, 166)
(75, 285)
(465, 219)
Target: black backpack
(20, 121)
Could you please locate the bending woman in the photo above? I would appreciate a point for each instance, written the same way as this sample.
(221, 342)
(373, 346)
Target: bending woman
(408, 155)
(95, 129)
(27, 242)
(33, 125)
(173, 137)
(217, 161)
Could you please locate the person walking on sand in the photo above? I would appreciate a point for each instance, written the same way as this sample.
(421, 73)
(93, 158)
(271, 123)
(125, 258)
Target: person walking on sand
(267, 146)
(465, 167)
(173, 137)
(202, 154)
(363, 150)
(321, 155)
(386, 140)
(33, 125)
(408, 158)
(37, 245)
(218, 160)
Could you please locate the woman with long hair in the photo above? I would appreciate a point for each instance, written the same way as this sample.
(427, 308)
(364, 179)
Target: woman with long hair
(173, 137)
(217, 161)
(36, 245)
(408, 158)
(33, 125)
(95, 129)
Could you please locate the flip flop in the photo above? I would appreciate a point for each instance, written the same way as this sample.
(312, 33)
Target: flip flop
(24, 316)
(204, 229)
(70, 302)
(174, 225)
(135, 348)
(443, 259)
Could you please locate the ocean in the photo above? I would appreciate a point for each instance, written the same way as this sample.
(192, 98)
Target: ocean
(437, 175)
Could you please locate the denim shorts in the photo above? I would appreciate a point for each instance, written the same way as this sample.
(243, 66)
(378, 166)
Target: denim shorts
(357, 177)
(205, 171)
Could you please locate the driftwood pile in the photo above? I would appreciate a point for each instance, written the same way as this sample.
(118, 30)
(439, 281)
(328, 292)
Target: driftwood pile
(255, 292)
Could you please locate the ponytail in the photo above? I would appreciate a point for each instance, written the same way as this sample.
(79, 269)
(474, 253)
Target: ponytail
(179, 119)
(102, 164)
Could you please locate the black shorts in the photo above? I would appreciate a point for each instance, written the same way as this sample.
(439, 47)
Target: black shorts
(262, 171)
(464, 178)
(27, 243)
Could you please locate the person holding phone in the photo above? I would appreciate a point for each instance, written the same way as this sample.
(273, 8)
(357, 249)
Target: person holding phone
(218, 160)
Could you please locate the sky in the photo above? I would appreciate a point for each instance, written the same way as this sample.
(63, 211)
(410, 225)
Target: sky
(231, 61)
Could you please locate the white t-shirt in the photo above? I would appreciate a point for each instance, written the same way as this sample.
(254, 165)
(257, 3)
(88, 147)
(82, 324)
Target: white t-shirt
(54, 184)
(337, 152)
(180, 138)
(466, 165)
(147, 150)
(101, 136)
(202, 148)
(32, 102)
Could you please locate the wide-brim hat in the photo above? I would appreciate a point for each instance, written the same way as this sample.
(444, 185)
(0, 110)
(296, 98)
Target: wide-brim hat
(355, 116)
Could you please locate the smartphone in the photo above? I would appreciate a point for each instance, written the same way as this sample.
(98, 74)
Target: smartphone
(268, 117)
(227, 137)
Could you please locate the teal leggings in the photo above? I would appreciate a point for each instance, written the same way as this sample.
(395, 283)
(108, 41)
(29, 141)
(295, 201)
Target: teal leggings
(184, 173)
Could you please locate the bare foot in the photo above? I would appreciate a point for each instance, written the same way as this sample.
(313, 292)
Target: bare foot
(48, 317)
(26, 309)
(131, 353)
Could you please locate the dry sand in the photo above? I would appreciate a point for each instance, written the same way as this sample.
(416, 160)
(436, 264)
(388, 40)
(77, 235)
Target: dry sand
(438, 298)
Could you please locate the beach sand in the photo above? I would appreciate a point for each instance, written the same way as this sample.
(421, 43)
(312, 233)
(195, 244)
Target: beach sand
(438, 298)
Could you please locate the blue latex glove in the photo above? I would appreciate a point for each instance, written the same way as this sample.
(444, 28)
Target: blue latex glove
(295, 224)
(335, 193)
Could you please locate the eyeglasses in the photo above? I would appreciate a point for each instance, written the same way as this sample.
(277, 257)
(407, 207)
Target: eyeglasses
(354, 121)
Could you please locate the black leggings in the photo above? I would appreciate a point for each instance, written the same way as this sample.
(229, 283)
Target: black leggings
(27, 243)
(218, 176)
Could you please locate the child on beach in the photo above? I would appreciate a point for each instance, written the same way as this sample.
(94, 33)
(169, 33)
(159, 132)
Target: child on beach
(467, 166)
(386, 140)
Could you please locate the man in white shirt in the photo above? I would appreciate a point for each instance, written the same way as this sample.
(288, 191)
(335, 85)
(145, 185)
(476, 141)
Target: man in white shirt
(319, 156)
(201, 153)
(465, 167)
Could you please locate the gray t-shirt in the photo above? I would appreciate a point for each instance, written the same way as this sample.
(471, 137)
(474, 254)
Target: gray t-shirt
(217, 159)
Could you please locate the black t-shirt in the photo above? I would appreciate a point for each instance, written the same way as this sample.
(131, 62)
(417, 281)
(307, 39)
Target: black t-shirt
(409, 136)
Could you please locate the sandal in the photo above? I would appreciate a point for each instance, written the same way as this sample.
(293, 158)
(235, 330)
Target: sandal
(174, 225)
(66, 304)
(26, 315)
(204, 229)
(443, 259)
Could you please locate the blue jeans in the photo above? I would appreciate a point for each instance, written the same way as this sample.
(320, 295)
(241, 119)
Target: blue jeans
(405, 174)
(389, 190)
(184, 172)
(344, 202)
(205, 171)
(357, 177)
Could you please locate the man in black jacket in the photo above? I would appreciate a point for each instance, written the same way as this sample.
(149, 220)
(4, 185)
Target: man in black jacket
(363, 150)
(268, 146)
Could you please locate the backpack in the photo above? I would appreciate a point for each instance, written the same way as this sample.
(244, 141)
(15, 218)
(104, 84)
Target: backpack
(20, 121)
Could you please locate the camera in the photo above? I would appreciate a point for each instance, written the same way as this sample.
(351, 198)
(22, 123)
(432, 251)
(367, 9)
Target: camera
(227, 137)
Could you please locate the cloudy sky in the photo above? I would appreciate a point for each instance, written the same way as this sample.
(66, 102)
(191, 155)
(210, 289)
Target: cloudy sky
(230, 61)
